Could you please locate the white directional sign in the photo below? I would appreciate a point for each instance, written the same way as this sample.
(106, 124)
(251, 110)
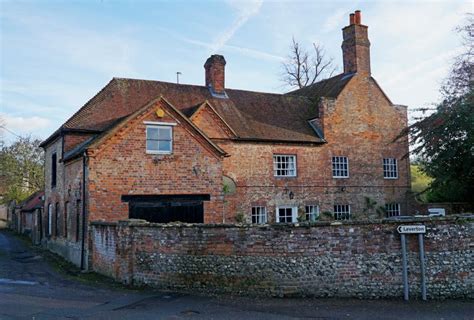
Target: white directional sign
(411, 229)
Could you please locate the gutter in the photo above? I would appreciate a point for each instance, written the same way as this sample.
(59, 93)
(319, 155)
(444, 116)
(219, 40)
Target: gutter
(62, 130)
(278, 141)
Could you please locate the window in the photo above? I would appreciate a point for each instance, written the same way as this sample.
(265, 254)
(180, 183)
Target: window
(259, 215)
(312, 213)
(56, 219)
(66, 209)
(284, 166)
(159, 139)
(50, 219)
(54, 161)
(393, 209)
(78, 219)
(340, 167)
(286, 214)
(342, 212)
(390, 168)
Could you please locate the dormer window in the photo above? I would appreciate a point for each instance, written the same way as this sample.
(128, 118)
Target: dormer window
(159, 139)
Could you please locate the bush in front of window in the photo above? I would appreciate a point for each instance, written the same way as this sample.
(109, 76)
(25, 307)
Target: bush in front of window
(301, 215)
(328, 215)
(240, 218)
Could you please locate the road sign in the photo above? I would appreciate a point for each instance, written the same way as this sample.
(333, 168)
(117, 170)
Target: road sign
(411, 229)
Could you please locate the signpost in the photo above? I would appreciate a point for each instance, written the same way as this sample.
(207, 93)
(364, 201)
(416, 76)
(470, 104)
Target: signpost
(413, 229)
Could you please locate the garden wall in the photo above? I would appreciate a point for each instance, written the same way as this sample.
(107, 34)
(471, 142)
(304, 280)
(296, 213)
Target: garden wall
(341, 260)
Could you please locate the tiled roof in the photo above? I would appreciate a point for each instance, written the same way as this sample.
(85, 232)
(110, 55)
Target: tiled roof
(330, 87)
(33, 202)
(251, 115)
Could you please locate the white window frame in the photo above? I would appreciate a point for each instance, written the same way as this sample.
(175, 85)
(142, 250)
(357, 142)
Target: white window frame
(311, 210)
(294, 213)
(392, 209)
(342, 212)
(336, 161)
(260, 214)
(50, 219)
(390, 168)
(163, 125)
(276, 169)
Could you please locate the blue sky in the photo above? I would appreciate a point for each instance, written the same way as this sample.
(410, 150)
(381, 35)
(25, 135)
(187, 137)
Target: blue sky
(55, 55)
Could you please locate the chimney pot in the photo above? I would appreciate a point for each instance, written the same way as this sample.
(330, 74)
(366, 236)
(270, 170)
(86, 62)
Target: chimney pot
(351, 19)
(357, 17)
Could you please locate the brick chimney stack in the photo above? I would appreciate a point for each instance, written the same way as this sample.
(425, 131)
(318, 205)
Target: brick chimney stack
(356, 46)
(215, 74)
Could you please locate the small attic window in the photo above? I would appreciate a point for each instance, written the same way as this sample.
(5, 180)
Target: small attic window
(159, 139)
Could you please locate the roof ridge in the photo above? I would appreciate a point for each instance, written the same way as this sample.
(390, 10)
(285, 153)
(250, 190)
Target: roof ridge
(199, 86)
(160, 81)
(283, 95)
(329, 87)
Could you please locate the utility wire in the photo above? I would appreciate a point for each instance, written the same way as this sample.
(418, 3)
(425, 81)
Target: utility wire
(8, 130)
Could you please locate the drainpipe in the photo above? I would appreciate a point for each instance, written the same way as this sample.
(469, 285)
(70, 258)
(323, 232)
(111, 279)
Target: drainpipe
(83, 244)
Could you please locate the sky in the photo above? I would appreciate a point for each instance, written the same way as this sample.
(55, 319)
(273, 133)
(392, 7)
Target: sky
(56, 55)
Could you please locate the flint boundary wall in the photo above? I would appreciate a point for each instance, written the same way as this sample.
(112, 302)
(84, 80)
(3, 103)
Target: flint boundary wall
(358, 259)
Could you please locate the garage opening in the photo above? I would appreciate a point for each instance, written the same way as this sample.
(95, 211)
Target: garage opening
(167, 208)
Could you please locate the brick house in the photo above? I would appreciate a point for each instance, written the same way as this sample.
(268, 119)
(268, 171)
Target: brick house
(166, 152)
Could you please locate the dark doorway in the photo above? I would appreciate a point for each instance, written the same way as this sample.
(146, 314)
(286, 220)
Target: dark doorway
(164, 213)
(167, 208)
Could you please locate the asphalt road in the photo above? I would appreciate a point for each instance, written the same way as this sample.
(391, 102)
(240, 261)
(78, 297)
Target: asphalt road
(31, 289)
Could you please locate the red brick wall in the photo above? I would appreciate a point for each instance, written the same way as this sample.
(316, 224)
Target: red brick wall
(361, 124)
(210, 124)
(73, 139)
(356, 49)
(121, 166)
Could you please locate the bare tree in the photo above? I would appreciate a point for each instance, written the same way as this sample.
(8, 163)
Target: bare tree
(303, 68)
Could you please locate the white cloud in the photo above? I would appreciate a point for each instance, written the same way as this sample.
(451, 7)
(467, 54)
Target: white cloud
(242, 50)
(22, 125)
(335, 20)
(412, 47)
(245, 10)
(98, 51)
(444, 60)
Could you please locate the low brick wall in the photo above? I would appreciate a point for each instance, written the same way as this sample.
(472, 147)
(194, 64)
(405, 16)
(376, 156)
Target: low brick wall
(341, 260)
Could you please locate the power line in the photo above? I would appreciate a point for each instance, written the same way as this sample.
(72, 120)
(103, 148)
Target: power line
(8, 130)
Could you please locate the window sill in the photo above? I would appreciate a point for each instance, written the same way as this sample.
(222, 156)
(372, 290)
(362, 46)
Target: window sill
(159, 152)
(390, 178)
(340, 177)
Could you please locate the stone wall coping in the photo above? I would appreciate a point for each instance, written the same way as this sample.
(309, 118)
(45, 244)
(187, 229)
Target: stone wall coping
(144, 223)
